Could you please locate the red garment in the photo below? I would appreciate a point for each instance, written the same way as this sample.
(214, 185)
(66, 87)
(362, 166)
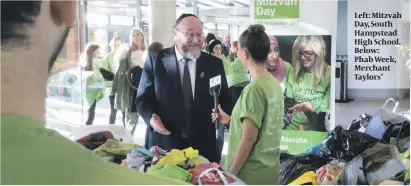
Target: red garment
(95, 140)
(211, 178)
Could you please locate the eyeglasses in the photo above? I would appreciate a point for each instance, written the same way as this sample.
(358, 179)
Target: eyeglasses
(306, 53)
(192, 34)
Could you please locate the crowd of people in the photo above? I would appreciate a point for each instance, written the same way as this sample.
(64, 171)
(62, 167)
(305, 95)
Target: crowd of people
(167, 87)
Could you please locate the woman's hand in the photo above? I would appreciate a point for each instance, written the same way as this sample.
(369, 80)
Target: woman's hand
(302, 107)
(223, 117)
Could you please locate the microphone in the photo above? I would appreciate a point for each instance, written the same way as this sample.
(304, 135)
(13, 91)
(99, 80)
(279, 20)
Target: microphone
(215, 87)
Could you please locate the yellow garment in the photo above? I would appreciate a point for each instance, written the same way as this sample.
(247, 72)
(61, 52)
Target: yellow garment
(308, 177)
(114, 147)
(175, 157)
(190, 152)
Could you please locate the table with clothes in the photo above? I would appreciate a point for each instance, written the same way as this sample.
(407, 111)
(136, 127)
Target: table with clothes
(185, 165)
(373, 150)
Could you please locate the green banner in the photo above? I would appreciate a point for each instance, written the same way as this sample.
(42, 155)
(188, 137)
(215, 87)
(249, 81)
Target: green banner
(276, 9)
(297, 142)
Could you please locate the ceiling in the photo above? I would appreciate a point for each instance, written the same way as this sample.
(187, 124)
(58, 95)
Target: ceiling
(206, 8)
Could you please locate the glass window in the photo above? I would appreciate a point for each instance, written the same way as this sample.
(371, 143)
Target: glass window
(210, 26)
(97, 19)
(121, 20)
(63, 52)
(223, 27)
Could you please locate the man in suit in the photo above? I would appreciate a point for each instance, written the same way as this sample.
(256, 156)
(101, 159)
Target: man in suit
(174, 98)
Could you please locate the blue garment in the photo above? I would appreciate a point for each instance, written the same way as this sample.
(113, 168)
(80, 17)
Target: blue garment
(314, 149)
(376, 127)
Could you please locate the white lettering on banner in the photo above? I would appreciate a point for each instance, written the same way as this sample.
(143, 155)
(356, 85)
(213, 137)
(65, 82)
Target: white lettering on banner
(372, 37)
(267, 7)
(284, 147)
(266, 12)
(294, 140)
(276, 2)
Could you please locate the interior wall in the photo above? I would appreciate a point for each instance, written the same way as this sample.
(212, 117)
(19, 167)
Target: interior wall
(405, 9)
(369, 94)
(342, 28)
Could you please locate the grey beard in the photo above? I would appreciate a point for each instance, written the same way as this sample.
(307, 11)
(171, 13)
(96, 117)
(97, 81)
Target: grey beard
(193, 55)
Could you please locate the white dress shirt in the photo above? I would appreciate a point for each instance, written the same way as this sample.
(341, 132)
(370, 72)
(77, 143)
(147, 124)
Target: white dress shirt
(192, 64)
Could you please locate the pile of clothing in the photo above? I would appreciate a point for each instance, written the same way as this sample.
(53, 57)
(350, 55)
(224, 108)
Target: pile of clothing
(105, 145)
(185, 165)
(373, 150)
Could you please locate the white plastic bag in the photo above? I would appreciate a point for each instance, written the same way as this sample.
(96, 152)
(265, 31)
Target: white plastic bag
(222, 176)
(376, 126)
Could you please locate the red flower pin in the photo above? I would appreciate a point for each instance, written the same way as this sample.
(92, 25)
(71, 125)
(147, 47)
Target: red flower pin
(202, 74)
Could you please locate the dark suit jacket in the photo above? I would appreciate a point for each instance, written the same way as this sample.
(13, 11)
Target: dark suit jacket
(160, 92)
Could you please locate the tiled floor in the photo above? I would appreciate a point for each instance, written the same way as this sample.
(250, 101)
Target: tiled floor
(346, 112)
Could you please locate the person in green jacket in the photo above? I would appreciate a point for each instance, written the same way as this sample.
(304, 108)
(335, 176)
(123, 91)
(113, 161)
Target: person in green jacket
(308, 82)
(128, 57)
(94, 93)
(256, 120)
(276, 65)
(239, 77)
(110, 65)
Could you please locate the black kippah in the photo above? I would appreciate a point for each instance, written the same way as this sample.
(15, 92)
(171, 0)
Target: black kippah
(182, 17)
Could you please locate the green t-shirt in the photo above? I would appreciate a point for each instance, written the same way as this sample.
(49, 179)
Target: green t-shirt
(34, 155)
(288, 68)
(109, 64)
(319, 97)
(227, 65)
(240, 73)
(261, 101)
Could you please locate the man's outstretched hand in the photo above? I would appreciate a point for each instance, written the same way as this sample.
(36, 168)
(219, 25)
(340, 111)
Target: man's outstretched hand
(158, 126)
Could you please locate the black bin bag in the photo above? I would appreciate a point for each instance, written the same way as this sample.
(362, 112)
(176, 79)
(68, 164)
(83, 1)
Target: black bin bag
(293, 167)
(398, 135)
(360, 123)
(345, 145)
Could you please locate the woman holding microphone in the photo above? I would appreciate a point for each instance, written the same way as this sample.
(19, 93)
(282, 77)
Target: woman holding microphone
(257, 117)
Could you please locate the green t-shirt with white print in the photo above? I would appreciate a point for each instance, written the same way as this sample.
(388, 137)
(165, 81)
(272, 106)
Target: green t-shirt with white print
(261, 101)
(319, 96)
